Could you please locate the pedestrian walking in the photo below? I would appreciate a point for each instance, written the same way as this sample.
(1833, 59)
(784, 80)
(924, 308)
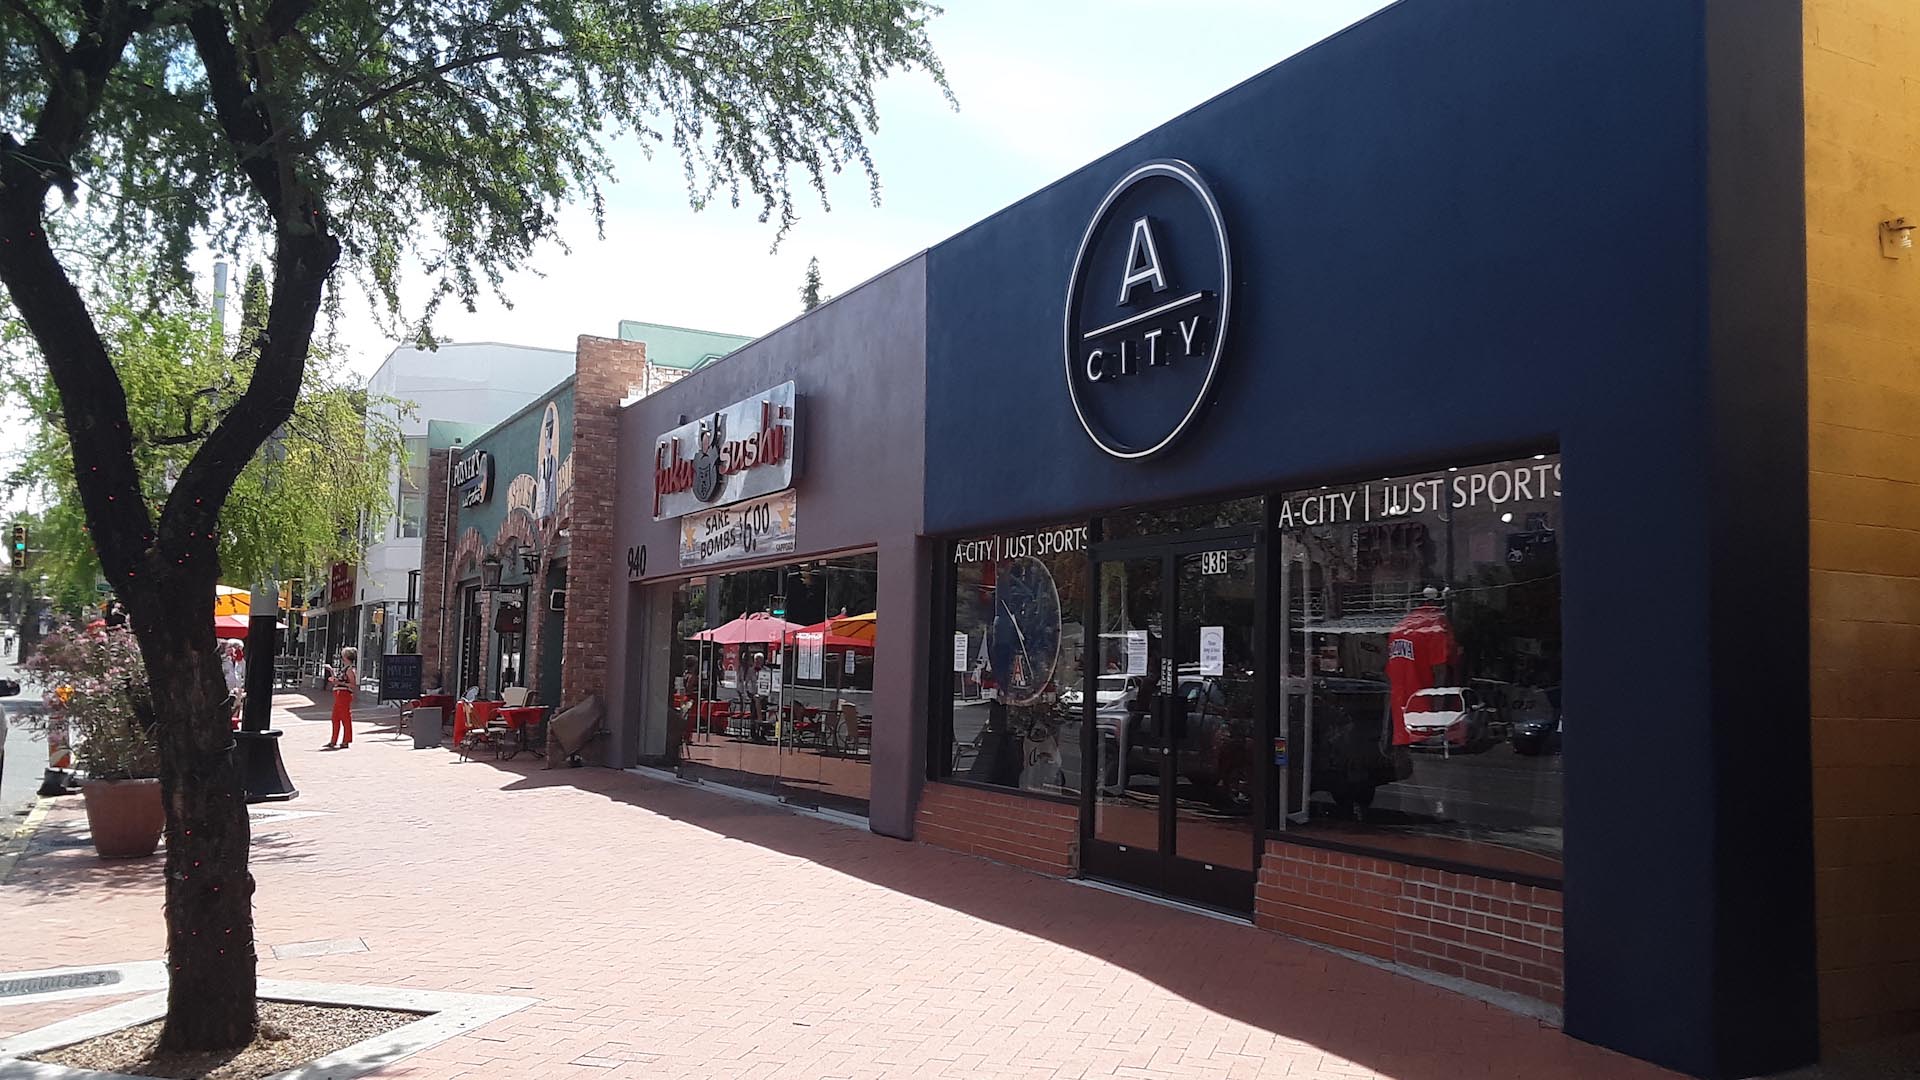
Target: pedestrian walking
(346, 683)
(233, 666)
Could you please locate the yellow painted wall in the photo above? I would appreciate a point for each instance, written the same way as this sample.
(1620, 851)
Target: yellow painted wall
(1863, 385)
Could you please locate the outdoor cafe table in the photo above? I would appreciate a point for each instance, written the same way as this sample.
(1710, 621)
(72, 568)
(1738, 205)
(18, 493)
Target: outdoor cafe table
(443, 702)
(471, 714)
(521, 720)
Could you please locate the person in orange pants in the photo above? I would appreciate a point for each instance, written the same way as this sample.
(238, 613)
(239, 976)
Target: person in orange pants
(346, 683)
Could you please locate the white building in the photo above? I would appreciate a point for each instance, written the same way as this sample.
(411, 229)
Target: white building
(458, 391)
(467, 386)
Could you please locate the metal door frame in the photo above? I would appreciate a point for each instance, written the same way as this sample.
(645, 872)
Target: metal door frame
(1162, 870)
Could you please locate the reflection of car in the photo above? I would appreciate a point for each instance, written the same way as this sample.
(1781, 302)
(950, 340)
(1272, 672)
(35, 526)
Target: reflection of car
(1107, 690)
(1537, 729)
(1448, 716)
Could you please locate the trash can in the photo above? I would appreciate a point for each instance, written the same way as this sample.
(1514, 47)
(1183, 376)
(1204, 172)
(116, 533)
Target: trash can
(424, 726)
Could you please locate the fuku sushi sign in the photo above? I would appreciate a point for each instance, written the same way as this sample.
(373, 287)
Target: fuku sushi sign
(741, 452)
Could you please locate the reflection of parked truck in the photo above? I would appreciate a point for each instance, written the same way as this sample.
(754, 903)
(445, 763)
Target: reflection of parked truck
(1353, 752)
(1212, 743)
(1352, 755)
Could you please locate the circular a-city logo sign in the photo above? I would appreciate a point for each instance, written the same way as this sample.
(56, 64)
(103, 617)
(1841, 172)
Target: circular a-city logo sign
(1147, 310)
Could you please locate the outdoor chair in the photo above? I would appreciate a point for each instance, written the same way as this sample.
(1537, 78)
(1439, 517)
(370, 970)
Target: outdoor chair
(481, 733)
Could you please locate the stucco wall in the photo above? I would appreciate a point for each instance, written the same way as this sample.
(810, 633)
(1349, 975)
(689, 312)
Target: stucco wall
(1862, 64)
(859, 365)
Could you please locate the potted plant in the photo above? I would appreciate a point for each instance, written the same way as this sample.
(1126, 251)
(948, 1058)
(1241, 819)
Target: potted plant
(98, 690)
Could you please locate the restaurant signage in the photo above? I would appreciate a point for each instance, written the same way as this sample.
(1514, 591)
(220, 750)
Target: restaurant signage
(399, 676)
(1146, 311)
(473, 476)
(741, 452)
(340, 582)
(744, 531)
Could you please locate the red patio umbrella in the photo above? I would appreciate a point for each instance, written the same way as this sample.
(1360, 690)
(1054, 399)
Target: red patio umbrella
(753, 628)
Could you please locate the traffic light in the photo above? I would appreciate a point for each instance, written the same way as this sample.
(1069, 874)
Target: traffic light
(778, 606)
(17, 549)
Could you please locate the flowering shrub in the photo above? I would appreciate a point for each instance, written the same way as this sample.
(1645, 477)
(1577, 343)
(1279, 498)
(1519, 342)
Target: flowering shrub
(97, 685)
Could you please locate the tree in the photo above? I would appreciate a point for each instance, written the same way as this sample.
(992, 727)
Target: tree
(253, 304)
(810, 292)
(382, 136)
(310, 506)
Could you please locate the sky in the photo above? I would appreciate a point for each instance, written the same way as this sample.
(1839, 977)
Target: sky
(1044, 86)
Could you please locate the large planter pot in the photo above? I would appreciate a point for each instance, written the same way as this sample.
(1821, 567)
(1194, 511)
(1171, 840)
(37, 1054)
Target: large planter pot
(126, 817)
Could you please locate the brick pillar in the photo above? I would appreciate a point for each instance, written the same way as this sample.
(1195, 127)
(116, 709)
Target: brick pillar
(435, 547)
(536, 622)
(605, 371)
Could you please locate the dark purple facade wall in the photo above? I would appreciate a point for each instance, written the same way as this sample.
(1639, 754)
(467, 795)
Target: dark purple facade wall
(858, 364)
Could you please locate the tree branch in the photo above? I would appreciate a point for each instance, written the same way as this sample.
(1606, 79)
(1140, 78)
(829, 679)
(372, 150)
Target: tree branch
(93, 403)
(235, 104)
(45, 40)
(305, 252)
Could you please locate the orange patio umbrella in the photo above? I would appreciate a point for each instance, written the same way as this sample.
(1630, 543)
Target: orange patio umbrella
(859, 628)
(228, 600)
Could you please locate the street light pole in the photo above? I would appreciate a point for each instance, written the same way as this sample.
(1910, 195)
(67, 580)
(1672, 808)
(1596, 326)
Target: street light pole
(258, 745)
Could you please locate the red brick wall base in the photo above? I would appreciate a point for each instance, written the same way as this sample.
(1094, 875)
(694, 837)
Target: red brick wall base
(1495, 933)
(1034, 834)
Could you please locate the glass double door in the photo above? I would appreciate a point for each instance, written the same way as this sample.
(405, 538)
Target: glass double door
(773, 683)
(1175, 784)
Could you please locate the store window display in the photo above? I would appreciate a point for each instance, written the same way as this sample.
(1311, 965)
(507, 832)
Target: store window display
(1017, 683)
(1421, 712)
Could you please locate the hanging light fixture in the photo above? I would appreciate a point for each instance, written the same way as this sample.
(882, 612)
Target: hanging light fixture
(490, 572)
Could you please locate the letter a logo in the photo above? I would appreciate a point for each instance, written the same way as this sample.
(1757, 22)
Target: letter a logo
(1143, 262)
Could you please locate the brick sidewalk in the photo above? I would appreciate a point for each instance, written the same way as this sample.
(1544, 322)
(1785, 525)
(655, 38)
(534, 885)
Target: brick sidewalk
(671, 932)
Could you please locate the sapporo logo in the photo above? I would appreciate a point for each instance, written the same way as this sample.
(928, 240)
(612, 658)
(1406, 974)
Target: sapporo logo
(1147, 310)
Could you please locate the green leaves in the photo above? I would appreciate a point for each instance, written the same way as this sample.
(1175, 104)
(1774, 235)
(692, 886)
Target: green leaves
(305, 501)
(445, 136)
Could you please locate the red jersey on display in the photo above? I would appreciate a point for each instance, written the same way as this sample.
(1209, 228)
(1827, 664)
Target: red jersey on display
(1422, 642)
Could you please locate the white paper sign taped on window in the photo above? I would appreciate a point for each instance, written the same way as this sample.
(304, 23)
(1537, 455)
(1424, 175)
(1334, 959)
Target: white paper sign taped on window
(1136, 652)
(1213, 650)
(959, 652)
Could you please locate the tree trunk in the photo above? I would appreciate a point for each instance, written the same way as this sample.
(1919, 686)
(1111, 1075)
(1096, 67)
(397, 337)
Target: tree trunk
(209, 906)
(165, 571)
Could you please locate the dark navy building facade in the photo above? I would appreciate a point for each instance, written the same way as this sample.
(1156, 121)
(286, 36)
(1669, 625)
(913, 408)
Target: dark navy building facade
(1465, 237)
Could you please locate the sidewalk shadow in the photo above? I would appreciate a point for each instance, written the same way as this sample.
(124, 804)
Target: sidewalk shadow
(59, 861)
(1260, 978)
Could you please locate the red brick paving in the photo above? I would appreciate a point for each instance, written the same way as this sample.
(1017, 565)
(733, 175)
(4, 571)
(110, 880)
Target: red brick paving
(671, 932)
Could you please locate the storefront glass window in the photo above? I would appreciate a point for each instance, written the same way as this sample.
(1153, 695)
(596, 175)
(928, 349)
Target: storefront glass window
(1018, 653)
(1421, 665)
(772, 679)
